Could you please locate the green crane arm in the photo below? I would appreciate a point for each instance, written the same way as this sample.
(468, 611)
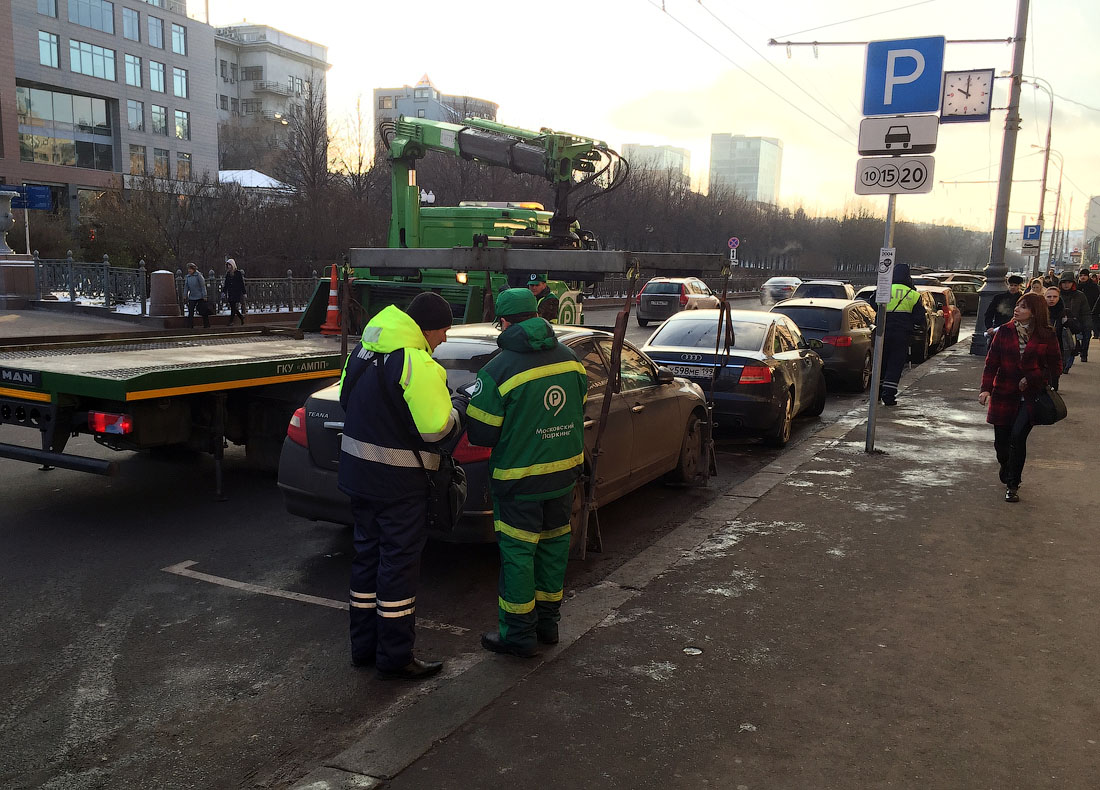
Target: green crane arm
(565, 160)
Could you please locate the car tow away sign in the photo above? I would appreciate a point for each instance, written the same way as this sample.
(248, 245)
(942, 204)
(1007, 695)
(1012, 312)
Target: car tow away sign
(905, 134)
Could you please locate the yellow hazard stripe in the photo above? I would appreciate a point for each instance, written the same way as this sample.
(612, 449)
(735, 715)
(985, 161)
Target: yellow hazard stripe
(483, 416)
(230, 385)
(540, 373)
(43, 397)
(556, 533)
(518, 534)
(516, 608)
(539, 469)
(548, 596)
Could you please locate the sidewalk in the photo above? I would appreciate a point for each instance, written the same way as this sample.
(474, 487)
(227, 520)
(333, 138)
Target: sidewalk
(840, 620)
(35, 324)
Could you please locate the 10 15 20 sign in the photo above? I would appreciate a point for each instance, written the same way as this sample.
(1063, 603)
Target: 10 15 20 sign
(910, 175)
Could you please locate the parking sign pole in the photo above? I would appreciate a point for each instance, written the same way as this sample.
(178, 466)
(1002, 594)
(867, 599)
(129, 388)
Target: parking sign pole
(880, 335)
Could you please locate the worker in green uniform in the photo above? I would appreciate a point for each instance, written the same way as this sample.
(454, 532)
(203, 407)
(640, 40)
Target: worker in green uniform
(528, 405)
(548, 304)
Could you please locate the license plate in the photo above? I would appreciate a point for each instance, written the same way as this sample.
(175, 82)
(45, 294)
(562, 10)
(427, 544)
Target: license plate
(690, 371)
(661, 302)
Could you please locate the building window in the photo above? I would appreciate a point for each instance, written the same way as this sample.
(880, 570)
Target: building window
(160, 162)
(223, 102)
(48, 46)
(179, 82)
(236, 106)
(131, 24)
(156, 32)
(135, 115)
(419, 113)
(133, 70)
(91, 60)
(183, 125)
(179, 39)
(137, 160)
(48, 7)
(224, 69)
(420, 93)
(297, 85)
(183, 167)
(232, 72)
(96, 14)
(156, 76)
(160, 119)
(252, 73)
(57, 117)
(385, 102)
(252, 105)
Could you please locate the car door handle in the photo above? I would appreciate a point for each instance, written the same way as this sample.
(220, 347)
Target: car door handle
(636, 408)
(334, 426)
(588, 424)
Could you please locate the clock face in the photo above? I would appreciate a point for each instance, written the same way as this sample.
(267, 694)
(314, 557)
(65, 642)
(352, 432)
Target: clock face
(967, 95)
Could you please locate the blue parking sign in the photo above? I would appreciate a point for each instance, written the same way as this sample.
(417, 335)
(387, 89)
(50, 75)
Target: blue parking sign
(1033, 232)
(903, 76)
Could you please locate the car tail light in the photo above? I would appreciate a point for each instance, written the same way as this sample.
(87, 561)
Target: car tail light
(683, 295)
(466, 453)
(102, 422)
(840, 341)
(638, 298)
(296, 430)
(756, 374)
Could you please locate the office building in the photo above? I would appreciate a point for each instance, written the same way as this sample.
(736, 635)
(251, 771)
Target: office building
(263, 78)
(664, 158)
(1092, 219)
(749, 166)
(92, 91)
(424, 100)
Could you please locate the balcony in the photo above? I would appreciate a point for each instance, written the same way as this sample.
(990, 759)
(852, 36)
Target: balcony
(267, 86)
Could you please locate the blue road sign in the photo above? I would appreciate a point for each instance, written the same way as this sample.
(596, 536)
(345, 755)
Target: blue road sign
(34, 198)
(1033, 232)
(903, 76)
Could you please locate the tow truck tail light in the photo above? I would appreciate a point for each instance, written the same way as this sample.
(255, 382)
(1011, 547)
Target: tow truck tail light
(756, 374)
(466, 453)
(840, 341)
(296, 430)
(683, 295)
(104, 422)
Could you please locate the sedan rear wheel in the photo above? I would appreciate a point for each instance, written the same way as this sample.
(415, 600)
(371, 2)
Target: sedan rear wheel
(643, 322)
(863, 379)
(781, 434)
(691, 461)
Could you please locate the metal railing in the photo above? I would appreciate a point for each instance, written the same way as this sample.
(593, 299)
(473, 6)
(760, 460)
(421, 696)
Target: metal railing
(263, 294)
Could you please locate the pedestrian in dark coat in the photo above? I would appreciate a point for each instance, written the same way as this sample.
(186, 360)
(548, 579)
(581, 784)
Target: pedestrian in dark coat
(1077, 308)
(233, 290)
(1058, 322)
(1000, 307)
(1023, 358)
(1091, 291)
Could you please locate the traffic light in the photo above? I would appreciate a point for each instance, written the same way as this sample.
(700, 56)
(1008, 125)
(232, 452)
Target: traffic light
(91, 235)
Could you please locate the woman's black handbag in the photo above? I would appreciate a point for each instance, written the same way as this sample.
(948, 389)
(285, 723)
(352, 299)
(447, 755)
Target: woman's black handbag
(1049, 407)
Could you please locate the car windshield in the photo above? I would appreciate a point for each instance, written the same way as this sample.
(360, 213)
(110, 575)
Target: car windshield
(697, 333)
(819, 319)
(661, 288)
(463, 359)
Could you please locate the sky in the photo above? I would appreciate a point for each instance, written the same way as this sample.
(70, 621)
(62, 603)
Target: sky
(672, 72)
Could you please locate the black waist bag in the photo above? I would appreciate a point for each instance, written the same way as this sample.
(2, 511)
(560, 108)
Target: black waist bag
(446, 485)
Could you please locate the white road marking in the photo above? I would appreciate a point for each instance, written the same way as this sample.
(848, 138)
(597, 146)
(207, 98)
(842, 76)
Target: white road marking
(184, 569)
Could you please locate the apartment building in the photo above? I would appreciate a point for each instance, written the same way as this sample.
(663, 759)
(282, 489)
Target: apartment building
(93, 91)
(424, 100)
(264, 78)
(665, 158)
(750, 166)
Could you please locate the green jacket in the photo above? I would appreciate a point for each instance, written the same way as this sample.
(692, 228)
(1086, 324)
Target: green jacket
(528, 405)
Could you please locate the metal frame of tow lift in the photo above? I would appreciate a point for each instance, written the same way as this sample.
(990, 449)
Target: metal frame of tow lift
(564, 264)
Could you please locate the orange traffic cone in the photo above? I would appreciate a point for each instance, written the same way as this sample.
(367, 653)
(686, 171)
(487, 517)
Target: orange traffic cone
(332, 317)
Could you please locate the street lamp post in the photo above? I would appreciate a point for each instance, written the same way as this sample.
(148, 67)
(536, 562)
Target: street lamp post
(1046, 161)
(1057, 206)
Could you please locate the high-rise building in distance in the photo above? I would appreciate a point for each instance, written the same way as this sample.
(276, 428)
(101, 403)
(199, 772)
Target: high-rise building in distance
(749, 166)
(658, 157)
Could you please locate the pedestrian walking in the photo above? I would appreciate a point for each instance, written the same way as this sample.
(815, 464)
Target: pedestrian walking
(1091, 291)
(233, 291)
(904, 313)
(1058, 322)
(1001, 306)
(194, 289)
(528, 405)
(397, 414)
(1036, 286)
(1023, 358)
(1050, 279)
(548, 304)
(1077, 309)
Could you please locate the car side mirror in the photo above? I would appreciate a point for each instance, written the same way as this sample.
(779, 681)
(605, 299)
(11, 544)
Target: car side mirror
(665, 376)
(814, 343)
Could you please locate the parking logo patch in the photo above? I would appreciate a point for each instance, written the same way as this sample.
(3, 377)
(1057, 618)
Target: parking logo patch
(554, 399)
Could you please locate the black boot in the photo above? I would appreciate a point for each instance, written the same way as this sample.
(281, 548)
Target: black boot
(414, 670)
(492, 641)
(1011, 494)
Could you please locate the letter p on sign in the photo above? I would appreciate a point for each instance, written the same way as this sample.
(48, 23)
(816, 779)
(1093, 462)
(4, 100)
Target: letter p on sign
(903, 76)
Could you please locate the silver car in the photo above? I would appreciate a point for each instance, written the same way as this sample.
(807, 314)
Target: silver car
(665, 296)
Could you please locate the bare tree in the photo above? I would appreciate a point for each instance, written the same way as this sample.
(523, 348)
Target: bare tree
(304, 161)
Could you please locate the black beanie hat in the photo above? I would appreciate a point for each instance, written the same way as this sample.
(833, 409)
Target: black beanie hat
(430, 311)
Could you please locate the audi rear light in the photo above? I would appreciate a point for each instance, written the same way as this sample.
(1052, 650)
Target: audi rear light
(683, 295)
(756, 374)
(296, 430)
(840, 341)
(638, 298)
(104, 422)
(466, 453)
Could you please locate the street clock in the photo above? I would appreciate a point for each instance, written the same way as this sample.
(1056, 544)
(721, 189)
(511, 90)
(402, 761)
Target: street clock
(967, 95)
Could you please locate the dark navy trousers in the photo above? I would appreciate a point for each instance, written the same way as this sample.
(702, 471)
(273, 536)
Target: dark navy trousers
(389, 538)
(895, 353)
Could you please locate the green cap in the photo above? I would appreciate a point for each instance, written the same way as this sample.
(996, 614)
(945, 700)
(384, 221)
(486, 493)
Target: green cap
(515, 301)
(536, 278)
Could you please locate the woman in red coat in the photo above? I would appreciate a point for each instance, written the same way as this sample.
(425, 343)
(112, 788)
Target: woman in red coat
(1023, 358)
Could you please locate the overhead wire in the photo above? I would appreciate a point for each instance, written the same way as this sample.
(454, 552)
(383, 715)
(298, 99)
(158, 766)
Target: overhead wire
(856, 19)
(660, 7)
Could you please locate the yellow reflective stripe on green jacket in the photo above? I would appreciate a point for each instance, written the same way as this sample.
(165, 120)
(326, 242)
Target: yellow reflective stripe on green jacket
(549, 596)
(516, 608)
(540, 373)
(514, 532)
(480, 414)
(539, 469)
(902, 299)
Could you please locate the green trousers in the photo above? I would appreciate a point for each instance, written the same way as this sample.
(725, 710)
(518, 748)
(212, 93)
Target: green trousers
(534, 549)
